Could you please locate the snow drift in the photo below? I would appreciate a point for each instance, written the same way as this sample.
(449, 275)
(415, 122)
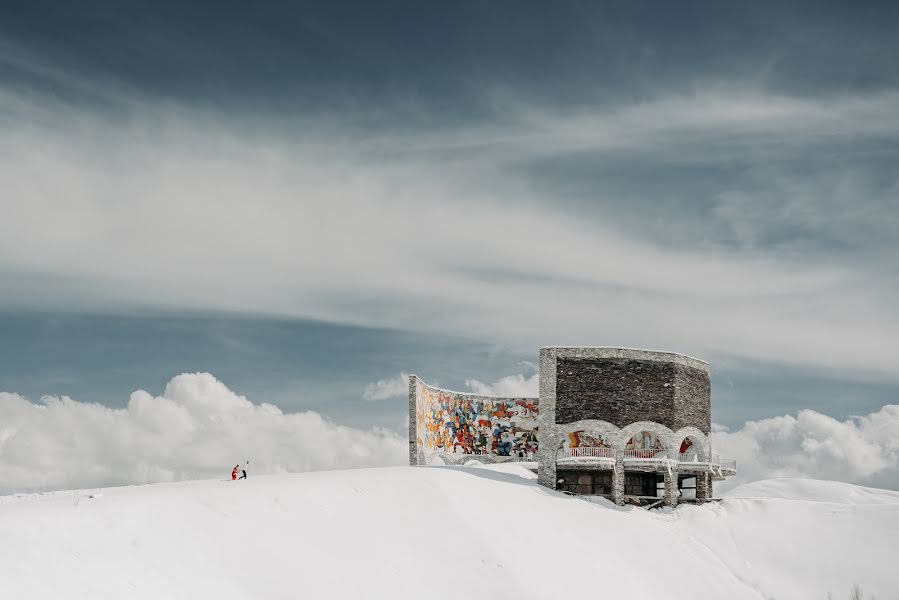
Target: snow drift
(439, 532)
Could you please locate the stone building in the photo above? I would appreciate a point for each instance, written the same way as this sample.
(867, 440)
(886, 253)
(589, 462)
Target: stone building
(630, 425)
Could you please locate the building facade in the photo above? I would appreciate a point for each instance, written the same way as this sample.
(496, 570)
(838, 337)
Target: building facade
(630, 425)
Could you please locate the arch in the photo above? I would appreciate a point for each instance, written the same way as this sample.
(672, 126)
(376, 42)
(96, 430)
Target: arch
(692, 440)
(691, 449)
(663, 434)
(591, 428)
(584, 438)
(589, 445)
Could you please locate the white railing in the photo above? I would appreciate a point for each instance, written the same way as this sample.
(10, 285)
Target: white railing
(590, 453)
(692, 457)
(586, 452)
(642, 454)
(714, 460)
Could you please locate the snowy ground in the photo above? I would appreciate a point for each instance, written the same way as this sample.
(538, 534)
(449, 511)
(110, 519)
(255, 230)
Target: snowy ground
(442, 532)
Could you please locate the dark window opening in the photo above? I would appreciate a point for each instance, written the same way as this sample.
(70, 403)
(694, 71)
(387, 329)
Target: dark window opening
(585, 483)
(641, 484)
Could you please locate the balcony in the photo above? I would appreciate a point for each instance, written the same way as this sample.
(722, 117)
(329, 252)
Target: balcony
(718, 467)
(643, 460)
(644, 457)
(585, 456)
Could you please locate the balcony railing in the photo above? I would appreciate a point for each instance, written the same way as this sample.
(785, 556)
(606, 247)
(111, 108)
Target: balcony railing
(590, 454)
(713, 461)
(693, 457)
(645, 454)
(586, 454)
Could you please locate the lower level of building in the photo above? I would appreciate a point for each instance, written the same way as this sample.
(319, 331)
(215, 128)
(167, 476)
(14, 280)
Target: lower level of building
(641, 488)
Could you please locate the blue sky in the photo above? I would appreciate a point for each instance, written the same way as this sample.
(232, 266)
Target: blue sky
(306, 199)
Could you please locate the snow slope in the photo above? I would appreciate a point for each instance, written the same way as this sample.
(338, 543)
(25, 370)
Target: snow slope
(440, 532)
(814, 489)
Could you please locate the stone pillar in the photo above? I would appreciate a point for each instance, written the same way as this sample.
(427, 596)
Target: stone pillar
(546, 466)
(618, 482)
(548, 437)
(671, 487)
(414, 458)
(546, 457)
(703, 487)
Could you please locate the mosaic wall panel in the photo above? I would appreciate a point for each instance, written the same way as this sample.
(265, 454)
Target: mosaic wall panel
(458, 423)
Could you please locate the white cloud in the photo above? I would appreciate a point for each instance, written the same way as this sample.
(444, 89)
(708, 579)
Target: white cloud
(510, 386)
(862, 450)
(385, 389)
(198, 428)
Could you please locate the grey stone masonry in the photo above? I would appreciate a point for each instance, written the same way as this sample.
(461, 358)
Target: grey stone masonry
(703, 487)
(618, 483)
(413, 420)
(625, 390)
(671, 487)
(693, 398)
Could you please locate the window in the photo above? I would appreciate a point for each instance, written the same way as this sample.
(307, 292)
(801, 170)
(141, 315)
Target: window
(641, 484)
(585, 483)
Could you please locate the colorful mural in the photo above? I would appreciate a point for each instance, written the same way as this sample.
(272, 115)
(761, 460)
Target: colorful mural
(580, 439)
(456, 423)
(646, 441)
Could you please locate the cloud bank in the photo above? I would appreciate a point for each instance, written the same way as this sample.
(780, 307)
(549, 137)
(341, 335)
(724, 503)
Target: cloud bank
(197, 428)
(862, 450)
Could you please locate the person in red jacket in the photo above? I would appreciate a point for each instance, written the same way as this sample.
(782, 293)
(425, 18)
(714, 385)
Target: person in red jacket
(234, 473)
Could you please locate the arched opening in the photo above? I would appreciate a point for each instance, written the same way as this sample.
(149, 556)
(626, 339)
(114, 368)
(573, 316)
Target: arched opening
(644, 445)
(584, 463)
(583, 439)
(692, 467)
(645, 458)
(584, 446)
(690, 450)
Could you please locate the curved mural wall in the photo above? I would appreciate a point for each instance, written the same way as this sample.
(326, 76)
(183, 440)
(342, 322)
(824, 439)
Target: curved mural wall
(457, 426)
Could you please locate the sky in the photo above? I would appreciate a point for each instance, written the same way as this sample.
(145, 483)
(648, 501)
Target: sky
(308, 201)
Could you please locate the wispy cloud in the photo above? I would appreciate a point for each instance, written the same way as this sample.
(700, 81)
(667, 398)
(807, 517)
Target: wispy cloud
(169, 208)
(509, 386)
(384, 389)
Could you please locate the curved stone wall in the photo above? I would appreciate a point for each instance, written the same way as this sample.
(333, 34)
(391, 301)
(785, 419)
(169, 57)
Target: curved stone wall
(457, 426)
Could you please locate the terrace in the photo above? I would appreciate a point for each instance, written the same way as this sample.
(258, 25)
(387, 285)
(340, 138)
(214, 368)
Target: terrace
(586, 456)
(601, 457)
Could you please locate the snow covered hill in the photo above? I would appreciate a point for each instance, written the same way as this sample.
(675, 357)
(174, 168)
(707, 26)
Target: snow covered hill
(442, 532)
